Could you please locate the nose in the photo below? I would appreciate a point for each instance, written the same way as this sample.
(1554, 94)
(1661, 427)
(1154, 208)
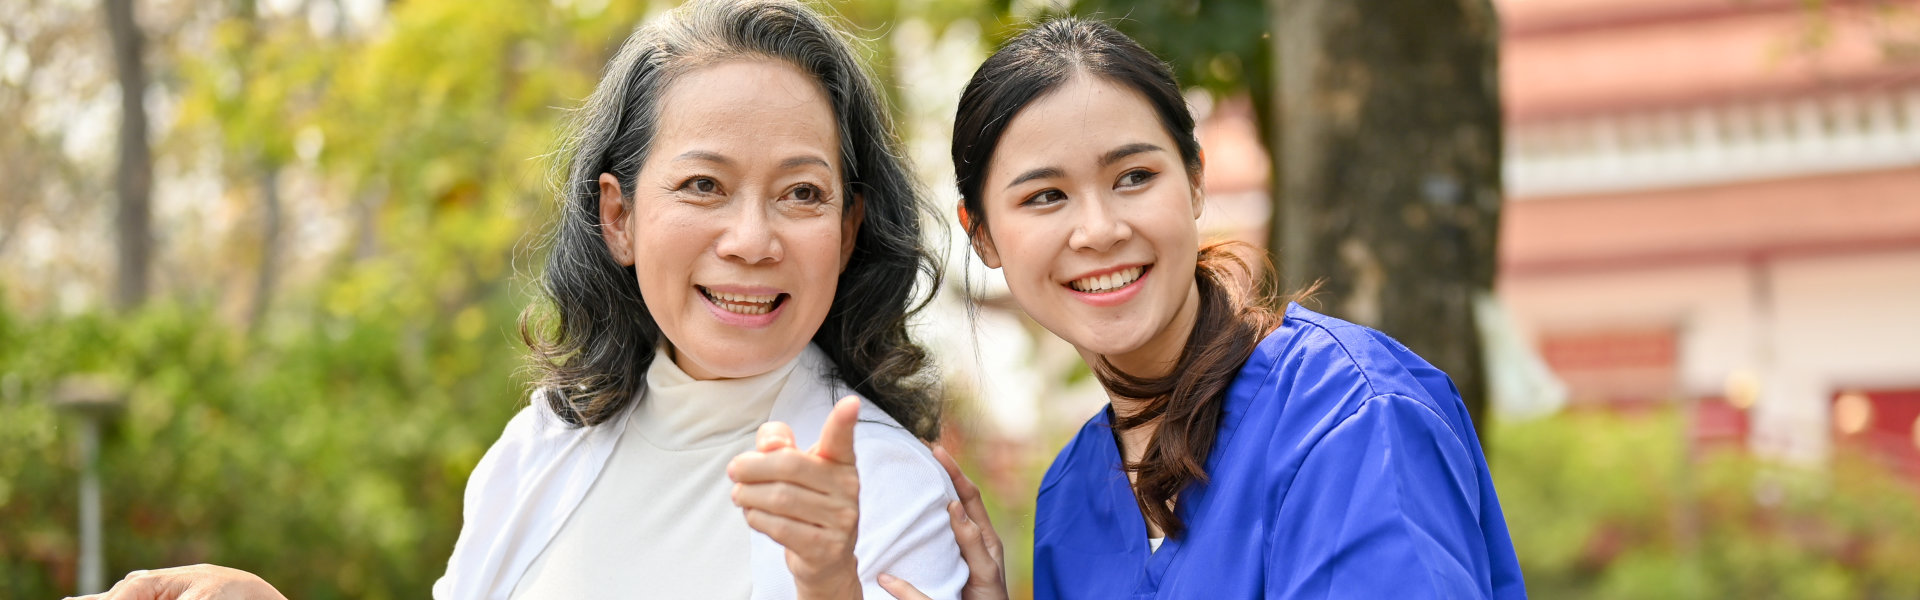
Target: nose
(1100, 227)
(749, 237)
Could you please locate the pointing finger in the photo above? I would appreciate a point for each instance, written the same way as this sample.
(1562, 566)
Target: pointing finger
(836, 438)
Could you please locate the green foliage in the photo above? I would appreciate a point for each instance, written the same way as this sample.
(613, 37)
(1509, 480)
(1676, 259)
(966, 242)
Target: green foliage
(1606, 507)
(1231, 54)
(330, 457)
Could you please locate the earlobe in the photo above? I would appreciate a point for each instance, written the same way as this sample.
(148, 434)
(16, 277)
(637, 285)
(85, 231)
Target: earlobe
(614, 221)
(1199, 203)
(850, 227)
(983, 246)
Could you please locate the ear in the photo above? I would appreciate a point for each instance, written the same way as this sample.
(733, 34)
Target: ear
(1199, 193)
(983, 242)
(856, 213)
(616, 223)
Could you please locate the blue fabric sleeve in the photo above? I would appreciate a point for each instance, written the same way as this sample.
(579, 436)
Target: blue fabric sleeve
(1386, 505)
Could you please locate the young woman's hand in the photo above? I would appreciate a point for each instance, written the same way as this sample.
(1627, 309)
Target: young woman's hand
(808, 501)
(197, 582)
(979, 543)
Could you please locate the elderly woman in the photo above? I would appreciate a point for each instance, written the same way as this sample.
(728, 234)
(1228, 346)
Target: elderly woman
(738, 243)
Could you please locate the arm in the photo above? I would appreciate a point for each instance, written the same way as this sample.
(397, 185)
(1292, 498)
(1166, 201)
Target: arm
(907, 532)
(1386, 505)
(979, 543)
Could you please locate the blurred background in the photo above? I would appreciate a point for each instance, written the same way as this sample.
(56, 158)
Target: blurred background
(261, 263)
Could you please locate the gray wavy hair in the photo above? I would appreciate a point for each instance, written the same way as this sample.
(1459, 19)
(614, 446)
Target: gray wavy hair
(590, 335)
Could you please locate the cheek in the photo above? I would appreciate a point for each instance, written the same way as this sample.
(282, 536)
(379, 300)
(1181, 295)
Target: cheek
(666, 242)
(1028, 248)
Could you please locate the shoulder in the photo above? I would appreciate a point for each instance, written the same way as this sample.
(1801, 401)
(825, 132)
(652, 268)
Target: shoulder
(532, 428)
(890, 457)
(1314, 373)
(1312, 357)
(532, 441)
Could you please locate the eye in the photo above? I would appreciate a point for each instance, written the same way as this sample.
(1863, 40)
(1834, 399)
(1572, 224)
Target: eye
(701, 185)
(807, 193)
(1047, 197)
(1136, 177)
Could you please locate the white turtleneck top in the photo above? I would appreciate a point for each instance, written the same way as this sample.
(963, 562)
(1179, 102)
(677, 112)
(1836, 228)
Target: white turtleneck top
(661, 517)
(639, 506)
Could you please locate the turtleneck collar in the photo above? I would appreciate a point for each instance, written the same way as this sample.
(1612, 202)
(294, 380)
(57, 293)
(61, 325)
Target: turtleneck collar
(678, 412)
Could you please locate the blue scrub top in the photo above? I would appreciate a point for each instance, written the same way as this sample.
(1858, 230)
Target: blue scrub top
(1345, 467)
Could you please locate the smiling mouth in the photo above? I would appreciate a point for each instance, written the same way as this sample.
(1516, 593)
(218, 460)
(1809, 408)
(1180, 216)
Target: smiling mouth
(1100, 284)
(745, 304)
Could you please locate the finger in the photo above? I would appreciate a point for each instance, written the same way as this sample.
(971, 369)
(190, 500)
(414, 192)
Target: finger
(961, 484)
(973, 502)
(793, 466)
(983, 564)
(798, 503)
(801, 538)
(836, 438)
(773, 435)
(900, 588)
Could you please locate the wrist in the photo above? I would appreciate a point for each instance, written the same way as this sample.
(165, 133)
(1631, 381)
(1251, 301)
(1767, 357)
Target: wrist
(837, 584)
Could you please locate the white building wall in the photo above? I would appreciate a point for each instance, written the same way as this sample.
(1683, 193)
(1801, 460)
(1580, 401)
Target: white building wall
(1805, 327)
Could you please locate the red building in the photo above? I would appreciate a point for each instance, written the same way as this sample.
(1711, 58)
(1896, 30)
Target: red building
(1720, 199)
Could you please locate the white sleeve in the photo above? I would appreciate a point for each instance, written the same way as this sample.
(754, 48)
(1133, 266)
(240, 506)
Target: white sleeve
(904, 531)
(491, 489)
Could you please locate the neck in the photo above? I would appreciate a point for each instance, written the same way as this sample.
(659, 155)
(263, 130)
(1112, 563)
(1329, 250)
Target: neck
(1156, 358)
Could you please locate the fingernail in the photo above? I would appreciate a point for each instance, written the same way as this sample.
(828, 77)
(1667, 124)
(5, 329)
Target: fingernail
(885, 578)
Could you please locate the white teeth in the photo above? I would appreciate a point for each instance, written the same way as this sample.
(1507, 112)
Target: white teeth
(745, 304)
(1108, 282)
(741, 298)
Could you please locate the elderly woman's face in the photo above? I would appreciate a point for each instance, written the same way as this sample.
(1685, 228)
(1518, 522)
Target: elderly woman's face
(738, 230)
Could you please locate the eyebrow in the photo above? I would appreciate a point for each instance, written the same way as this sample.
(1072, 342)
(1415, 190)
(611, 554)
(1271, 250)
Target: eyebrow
(1114, 155)
(802, 161)
(1107, 159)
(1040, 173)
(703, 155)
(790, 163)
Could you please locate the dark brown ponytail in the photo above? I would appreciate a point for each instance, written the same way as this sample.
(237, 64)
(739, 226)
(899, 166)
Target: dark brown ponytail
(1234, 314)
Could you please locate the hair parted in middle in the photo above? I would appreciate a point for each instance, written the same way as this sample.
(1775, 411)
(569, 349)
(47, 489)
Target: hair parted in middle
(1236, 307)
(590, 335)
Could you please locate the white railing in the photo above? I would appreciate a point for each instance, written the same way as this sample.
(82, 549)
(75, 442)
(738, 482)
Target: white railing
(1717, 144)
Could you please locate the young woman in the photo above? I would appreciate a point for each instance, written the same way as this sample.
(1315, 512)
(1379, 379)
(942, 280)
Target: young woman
(738, 243)
(1247, 452)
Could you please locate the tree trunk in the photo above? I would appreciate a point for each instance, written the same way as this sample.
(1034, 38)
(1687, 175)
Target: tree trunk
(134, 181)
(1387, 167)
(270, 248)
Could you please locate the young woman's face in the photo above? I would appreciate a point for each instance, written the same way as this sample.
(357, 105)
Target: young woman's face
(738, 231)
(1091, 214)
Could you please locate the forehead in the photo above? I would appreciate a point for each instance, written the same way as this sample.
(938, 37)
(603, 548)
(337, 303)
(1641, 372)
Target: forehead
(749, 105)
(1071, 125)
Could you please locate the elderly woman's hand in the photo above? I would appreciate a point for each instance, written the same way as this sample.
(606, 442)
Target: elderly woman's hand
(197, 582)
(808, 501)
(979, 543)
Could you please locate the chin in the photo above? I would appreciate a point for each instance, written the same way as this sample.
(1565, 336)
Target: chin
(1116, 344)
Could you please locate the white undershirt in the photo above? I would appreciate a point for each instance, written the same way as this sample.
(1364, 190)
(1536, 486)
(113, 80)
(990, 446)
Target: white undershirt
(1153, 544)
(660, 520)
